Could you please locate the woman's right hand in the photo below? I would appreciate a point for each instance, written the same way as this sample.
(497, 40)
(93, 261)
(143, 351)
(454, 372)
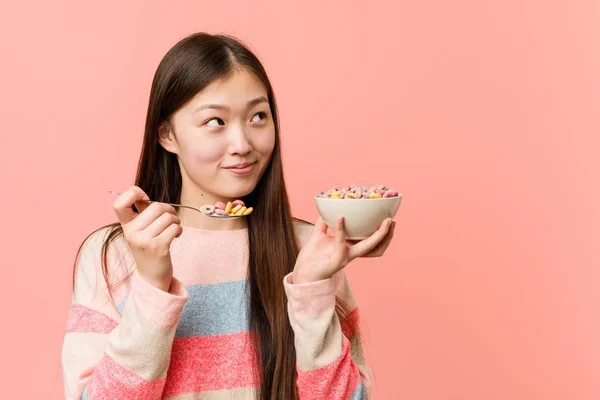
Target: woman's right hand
(149, 235)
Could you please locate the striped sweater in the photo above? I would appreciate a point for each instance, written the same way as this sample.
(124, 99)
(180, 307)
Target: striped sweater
(194, 342)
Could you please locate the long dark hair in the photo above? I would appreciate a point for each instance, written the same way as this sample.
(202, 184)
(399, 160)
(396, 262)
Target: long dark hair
(187, 68)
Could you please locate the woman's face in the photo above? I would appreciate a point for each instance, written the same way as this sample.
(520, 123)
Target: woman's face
(223, 138)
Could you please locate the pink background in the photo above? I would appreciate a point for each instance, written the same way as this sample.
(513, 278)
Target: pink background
(485, 114)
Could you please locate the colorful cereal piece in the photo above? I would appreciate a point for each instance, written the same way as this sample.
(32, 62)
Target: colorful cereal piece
(240, 211)
(207, 209)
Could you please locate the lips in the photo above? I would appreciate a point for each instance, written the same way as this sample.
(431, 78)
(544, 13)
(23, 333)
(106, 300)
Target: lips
(239, 166)
(241, 169)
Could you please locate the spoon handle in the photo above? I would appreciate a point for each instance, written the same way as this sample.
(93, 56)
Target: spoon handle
(171, 204)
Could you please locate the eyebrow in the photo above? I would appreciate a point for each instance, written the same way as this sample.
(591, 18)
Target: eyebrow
(251, 103)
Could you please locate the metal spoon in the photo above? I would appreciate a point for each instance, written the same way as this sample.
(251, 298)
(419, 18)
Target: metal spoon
(191, 208)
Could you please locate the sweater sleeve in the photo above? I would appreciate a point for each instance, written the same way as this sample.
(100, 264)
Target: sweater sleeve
(117, 352)
(330, 360)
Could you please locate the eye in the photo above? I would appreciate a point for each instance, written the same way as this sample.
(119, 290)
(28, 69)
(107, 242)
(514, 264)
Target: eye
(214, 122)
(259, 116)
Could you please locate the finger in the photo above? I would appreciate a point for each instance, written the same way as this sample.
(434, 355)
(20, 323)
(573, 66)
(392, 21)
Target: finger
(161, 223)
(364, 246)
(123, 204)
(151, 213)
(170, 233)
(340, 234)
(320, 226)
(142, 205)
(382, 246)
(388, 237)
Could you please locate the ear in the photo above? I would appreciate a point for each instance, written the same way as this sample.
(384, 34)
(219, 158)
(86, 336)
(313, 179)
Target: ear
(166, 138)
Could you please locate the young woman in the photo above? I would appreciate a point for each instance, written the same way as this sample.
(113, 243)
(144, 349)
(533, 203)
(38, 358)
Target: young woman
(171, 304)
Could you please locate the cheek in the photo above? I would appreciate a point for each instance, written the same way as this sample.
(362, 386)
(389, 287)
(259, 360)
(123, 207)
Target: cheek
(207, 156)
(264, 144)
(199, 155)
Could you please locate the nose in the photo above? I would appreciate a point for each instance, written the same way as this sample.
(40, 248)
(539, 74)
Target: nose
(239, 142)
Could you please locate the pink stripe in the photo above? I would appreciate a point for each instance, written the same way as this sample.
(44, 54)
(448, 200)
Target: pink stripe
(350, 324)
(83, 319)
(337, 380)
(112, 381)
(205, 363)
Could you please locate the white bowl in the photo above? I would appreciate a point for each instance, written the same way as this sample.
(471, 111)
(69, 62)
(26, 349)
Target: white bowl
(362, 217)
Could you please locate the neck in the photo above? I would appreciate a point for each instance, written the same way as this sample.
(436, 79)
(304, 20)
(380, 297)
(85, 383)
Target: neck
(193, 219)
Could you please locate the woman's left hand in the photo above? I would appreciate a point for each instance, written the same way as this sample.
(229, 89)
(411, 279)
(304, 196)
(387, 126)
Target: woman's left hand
(322, 256)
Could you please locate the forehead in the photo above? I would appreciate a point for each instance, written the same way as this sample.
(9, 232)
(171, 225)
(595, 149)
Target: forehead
(235, 90)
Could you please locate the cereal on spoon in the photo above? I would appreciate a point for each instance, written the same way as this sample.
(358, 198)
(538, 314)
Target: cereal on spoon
(235, 208)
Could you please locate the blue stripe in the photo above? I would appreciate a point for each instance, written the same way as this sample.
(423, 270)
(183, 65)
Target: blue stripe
(360, 393)
(217, 309)
(84, 396)
(121, 305)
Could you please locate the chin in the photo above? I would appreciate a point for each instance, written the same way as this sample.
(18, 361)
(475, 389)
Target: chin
(237, 190)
